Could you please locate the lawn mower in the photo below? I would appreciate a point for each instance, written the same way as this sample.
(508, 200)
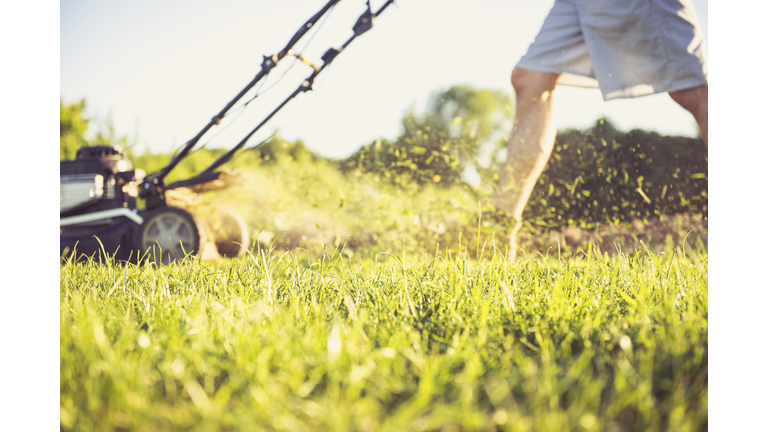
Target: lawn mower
(99, 215)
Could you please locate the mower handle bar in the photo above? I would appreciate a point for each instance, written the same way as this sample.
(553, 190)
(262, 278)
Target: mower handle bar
(152, 185)
(363, 24)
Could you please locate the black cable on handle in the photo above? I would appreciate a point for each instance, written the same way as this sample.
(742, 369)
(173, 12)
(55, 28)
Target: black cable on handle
(363, 24)
(153, 186)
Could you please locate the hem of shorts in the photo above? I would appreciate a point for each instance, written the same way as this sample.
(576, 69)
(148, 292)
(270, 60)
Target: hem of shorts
(607, 96)
(557, 71)
(674, 88)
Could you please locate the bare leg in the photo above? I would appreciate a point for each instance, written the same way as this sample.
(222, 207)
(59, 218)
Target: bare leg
(695, 100)
(530, 145)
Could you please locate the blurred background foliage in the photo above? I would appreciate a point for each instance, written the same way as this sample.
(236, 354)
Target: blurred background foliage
(455, 140)
(431, 184)
(76, 130)
(72, 128)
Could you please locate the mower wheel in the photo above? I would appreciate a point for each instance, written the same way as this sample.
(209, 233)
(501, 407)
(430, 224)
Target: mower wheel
(230, 233)
(170, 234)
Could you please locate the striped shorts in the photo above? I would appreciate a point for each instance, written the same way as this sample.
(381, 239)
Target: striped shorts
(627, 48)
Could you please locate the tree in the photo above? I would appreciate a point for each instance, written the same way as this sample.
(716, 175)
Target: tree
(462, 129)
(479, 122)
(72, 128)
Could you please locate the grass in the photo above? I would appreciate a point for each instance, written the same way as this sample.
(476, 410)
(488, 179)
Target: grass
(407, 341)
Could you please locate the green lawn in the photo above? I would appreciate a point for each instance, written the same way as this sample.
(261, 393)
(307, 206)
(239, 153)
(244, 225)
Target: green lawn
(422, 340)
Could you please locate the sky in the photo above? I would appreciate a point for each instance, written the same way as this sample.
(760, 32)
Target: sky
(161, 70)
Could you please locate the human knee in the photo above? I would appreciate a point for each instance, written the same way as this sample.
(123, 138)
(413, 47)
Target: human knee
(694, 100)
(532, 84)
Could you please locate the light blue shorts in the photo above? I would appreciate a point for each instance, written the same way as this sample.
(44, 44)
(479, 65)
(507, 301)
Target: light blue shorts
(627, 48)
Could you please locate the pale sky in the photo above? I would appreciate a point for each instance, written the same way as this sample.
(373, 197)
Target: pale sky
(163, 69)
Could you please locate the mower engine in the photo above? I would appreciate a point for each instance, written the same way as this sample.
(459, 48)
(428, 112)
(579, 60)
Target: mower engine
(97, 206)
(100, 178)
